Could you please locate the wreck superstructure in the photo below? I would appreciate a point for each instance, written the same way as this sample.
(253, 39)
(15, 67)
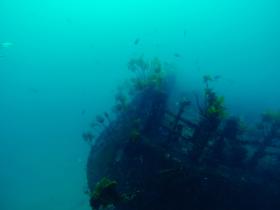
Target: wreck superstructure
(153, 157)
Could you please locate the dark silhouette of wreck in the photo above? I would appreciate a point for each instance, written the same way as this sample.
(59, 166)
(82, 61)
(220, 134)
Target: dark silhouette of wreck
(154, 158)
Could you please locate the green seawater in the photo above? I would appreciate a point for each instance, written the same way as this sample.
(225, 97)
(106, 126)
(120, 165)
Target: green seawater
(61, 63)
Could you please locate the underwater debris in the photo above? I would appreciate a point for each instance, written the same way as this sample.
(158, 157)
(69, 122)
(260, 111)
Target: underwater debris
(209, 78)
(147, 74)
(88, 137)
(214, 104)
(100, 119)
(270, 125)
(138, 65)
(106, 114)
(121, 102)
(228, 148)
(100, 123)
(206, 79)
(121, 98)
(211, 116)
(271, 117)
(156, 65)
(232, 128)
(152, 78)
(135, 135)
(105, 194)
(174, 159)
(176, 125)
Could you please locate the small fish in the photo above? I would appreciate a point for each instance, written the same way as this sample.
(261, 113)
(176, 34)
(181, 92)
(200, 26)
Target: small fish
(6, 44)
(177, 55)
(136, 41)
